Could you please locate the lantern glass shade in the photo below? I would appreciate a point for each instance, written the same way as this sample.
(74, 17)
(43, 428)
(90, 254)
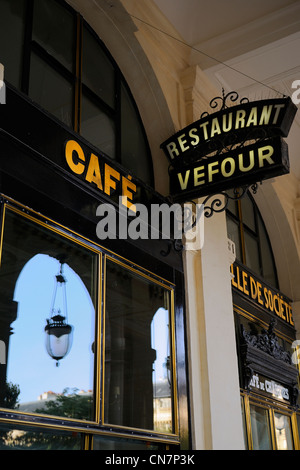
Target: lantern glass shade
(58, 337)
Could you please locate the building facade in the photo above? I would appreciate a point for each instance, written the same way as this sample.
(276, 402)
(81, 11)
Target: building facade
(135, 342)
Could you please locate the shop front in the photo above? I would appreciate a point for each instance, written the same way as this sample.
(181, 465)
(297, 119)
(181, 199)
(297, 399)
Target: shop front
(93, 352)
(267, 362)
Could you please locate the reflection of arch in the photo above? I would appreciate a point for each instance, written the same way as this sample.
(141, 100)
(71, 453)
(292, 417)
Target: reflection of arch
(22, 241)
(35, 308)
(159, 334)
(131, 303)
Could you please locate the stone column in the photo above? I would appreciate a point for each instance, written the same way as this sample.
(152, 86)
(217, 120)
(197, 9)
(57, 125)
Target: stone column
(214, 379)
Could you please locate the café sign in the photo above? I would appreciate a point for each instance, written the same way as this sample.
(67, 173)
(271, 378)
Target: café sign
(237, 145)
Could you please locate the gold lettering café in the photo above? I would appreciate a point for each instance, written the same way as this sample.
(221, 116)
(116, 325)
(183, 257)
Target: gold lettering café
(138, 344)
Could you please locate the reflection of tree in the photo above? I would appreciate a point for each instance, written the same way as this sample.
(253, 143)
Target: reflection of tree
(10, 400)
(69, 405)
(12, 392)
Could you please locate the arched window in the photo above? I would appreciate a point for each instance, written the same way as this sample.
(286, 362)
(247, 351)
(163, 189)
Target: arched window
(246, 228)
(51, 54)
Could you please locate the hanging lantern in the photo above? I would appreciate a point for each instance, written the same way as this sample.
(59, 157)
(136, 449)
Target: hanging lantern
(58, 332)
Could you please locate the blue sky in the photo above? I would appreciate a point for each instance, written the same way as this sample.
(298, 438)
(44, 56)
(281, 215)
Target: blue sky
(29, 364)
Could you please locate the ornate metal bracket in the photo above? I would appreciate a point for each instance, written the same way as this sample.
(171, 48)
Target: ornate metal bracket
(222, 101)
(218, 203)
(221, 200)
(177, 245)
(188, 222)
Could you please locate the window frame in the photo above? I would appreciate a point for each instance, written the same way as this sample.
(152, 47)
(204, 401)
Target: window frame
(169, 287)
(271, 409)
(50, 225)
(255, 234)
(97, 426)
(74, 77)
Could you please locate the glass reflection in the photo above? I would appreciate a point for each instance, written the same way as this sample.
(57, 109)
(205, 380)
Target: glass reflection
(97, 127)
(29, 264)
(234, 235)
(133, 144)
(121, 444)
(11, 33)
(54, 29)
(97, 70)
(161, 375)
(261, 434)
(138, 365)
(26, 438)
(283, 432)
(51, 90)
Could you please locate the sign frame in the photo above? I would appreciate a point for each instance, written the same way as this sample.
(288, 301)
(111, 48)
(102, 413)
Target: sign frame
(268, 163)
(222, 138)
(252, 120)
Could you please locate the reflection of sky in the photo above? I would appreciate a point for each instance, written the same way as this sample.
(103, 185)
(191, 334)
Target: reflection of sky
(29, 364)
(159, 342)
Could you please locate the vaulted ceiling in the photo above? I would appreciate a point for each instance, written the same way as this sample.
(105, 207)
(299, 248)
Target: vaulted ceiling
(249, 47)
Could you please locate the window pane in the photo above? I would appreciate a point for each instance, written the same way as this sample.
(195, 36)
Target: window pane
(54, 29)
(11, 33)
(283, 432)
(266, 254)
(106, 443)
(26, 438)
(234, 235)
(252, 253)
(50, 90)
(261, 435)
(134, 153)
(97, 70)
(138, 365)
(232, 205)
(248, 212)
(30, 296)
(97, 127)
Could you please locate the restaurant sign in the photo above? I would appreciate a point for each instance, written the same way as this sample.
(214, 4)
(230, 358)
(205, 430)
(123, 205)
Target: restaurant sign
(235, 146)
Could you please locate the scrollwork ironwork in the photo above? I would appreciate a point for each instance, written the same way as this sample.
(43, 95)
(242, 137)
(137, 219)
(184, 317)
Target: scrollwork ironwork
(219, 204)
(222, 101)
(177, 246)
